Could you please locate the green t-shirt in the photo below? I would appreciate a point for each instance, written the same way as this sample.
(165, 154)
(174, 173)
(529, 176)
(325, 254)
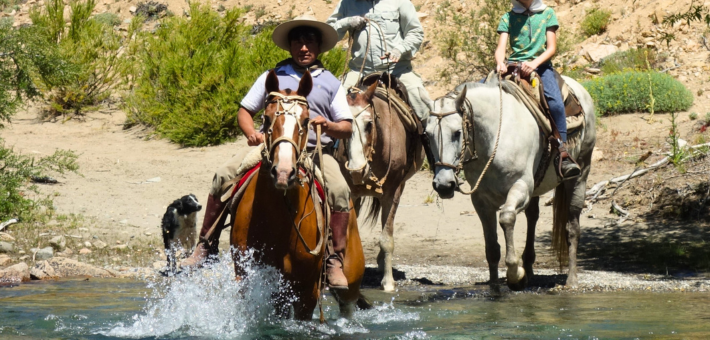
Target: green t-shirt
(527, 32)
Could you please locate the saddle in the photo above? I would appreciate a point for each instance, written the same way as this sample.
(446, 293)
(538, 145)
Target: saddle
(389, 83)
(530, 92)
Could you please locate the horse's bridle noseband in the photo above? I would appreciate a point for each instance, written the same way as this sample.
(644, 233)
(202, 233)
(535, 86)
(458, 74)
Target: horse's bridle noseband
(282, 101)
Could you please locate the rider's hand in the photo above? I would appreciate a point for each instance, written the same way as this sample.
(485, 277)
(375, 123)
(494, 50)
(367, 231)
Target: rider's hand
(393, 55)
(320, 120)
(255, 139)
(502, 68)
(527, 67)
(355, 23)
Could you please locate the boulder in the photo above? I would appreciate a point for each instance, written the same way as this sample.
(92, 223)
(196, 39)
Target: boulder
(595, 52)
(44, 253)
(59, 267)
(5, 260)
(84, 251)
(15, 274)
(6, 247)
(58, 243)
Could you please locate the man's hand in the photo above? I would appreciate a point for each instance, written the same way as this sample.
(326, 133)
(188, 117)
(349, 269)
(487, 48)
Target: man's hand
(527, 67)
(320, 120)
(355, 23)
(255, 139)
(393, 56)
(502, 68)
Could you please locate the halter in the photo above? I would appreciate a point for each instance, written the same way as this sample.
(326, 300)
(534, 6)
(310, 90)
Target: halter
(467, 127)
(286, 106)
(371, 149)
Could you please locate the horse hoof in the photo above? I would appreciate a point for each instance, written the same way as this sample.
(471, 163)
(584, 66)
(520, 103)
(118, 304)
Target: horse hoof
(388, 288)
(520, 285)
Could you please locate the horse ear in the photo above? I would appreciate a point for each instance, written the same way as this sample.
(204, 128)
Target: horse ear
(272, 82)
(460, 99)
(305, 85)
(371, 91)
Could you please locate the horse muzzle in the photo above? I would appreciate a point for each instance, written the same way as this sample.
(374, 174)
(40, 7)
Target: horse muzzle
(445, 190)
(283, 177)
(359, 175)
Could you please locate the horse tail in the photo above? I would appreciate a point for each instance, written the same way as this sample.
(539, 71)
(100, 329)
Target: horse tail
(560, 210)
(363, 303)
(373, 210)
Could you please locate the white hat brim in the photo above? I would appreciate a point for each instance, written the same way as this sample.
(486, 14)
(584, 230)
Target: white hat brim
(328, 34)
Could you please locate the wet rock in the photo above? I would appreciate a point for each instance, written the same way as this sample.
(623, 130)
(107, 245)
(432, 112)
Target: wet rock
(63, 267)
(100, 244)
(58, 243)
(44, 253)
(4, 260)
(6, 247)
(84, 251)
(15, 274)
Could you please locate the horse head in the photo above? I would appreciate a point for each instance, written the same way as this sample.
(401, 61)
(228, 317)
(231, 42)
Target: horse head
(445, 131)
(286, 120)
(361, 141)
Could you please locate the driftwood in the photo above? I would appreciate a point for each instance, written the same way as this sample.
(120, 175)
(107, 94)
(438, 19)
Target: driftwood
(8, 223)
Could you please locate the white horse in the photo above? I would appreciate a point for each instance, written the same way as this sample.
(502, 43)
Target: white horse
(508, 183)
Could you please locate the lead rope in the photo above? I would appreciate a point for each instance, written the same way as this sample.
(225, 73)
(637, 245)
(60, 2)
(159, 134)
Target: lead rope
(495, 147)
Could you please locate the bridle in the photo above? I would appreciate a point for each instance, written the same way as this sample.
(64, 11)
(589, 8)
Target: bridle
(367, 153)
(467, 127)
(286, 107)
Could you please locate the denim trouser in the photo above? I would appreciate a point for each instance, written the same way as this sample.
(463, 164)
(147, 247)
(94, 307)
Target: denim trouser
(554, 98)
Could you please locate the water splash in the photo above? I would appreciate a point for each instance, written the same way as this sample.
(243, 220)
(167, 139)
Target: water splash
(209, 303)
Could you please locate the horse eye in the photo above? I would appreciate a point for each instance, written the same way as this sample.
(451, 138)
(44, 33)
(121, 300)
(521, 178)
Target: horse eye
(457, 134)
(368, 127)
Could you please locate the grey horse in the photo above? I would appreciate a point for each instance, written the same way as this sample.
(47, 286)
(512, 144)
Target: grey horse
(508, 184)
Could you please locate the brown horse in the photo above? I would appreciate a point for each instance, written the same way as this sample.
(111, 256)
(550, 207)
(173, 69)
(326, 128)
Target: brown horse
(278, 215)
(384, 151)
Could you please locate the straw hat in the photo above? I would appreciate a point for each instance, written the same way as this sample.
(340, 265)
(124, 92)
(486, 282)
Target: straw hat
(328, 33)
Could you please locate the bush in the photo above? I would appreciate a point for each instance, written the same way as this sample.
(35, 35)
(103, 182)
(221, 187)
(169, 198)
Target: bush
(630, 92)
(108, 18)
(191, 75)
(16, 189)
(89, 49)
(631, 59)
(595, 22)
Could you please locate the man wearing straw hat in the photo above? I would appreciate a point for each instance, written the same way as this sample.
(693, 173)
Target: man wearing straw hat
(305, 38)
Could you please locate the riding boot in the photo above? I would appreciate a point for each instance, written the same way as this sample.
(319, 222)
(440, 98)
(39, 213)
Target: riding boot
(426, 144)
(207, 245)
(334, 264)
(568, 168)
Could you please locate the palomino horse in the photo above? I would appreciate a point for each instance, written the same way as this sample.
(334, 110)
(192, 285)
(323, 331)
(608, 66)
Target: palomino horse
(379, 158)
(278, 216)
(469, 121)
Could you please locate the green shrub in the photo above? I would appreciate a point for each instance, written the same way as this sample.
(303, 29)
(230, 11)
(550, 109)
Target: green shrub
(629, 60)
(630, 92)
(470, 47)
(191, 75)
(19, 196)
(108, 18)
(88, 47)
(595, 22)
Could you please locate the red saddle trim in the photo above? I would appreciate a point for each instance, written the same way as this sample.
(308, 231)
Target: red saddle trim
(248, 174)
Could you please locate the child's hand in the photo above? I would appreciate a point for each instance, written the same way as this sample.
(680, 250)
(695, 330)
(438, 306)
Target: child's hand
(501, 68)
(527, 67)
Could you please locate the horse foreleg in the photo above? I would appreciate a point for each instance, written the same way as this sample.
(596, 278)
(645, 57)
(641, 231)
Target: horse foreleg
(487, 213)
(518, 197)
(532, 214)
(384, 258)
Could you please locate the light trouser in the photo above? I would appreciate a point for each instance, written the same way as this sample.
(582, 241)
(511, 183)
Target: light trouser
(338, 190)
(418, 95)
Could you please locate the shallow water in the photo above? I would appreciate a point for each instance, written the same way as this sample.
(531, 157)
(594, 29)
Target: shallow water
(210, 305)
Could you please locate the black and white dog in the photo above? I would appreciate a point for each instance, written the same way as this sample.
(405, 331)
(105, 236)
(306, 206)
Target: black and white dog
(180, 227)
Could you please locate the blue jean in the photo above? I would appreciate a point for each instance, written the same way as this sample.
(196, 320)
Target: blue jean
(554, 98)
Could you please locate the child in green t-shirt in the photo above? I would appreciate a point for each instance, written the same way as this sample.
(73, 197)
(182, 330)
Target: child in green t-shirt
(531, 29)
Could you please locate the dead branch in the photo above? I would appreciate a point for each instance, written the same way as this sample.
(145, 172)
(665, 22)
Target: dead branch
(8, 223)
(595, 190)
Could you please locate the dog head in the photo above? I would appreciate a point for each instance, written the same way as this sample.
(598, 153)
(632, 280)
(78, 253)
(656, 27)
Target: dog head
(186, 205)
